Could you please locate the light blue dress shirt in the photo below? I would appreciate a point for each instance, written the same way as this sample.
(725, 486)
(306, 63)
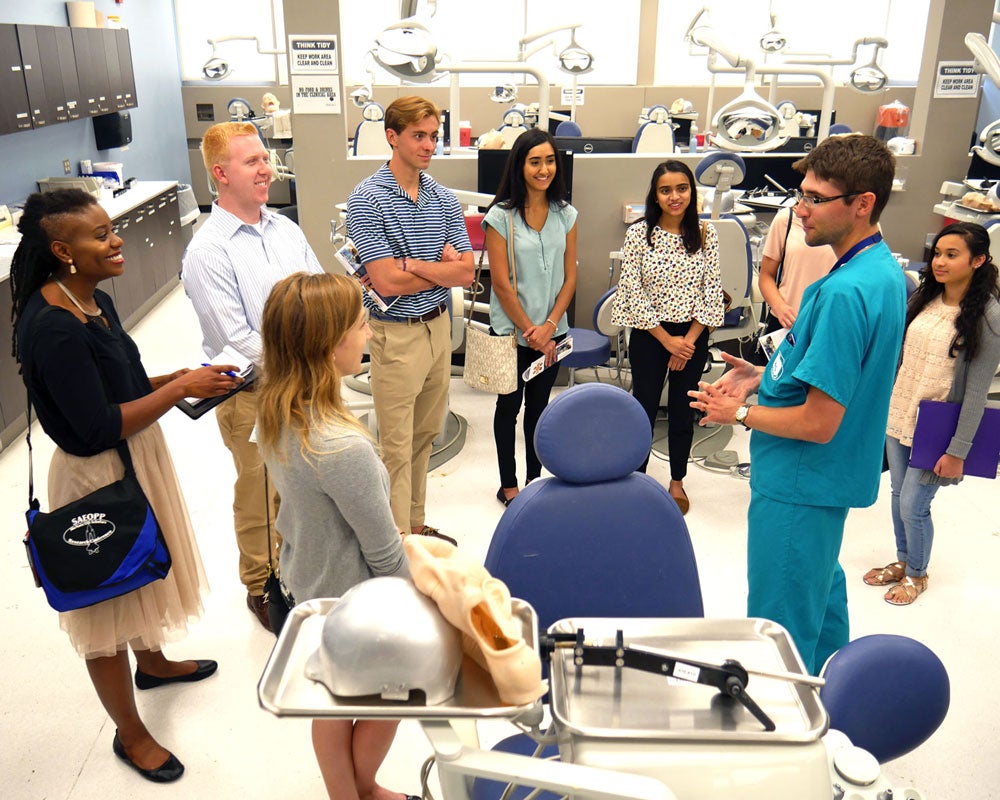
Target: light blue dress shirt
(229, 269)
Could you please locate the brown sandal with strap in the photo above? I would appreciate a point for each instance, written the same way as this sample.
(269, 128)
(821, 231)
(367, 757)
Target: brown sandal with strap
(906, 591)
(890, 573)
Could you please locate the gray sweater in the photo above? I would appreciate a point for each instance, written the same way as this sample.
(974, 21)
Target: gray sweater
(334, 515)
(970, 386)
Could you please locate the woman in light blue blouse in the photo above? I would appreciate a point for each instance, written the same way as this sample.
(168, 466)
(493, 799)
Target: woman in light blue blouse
(670, 295)
(529, 201)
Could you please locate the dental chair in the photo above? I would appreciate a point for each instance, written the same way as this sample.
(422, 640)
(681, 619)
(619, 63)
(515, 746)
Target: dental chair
(369, 136)
(722, 171)
(656, 135)
(512, 127)
(596, 540)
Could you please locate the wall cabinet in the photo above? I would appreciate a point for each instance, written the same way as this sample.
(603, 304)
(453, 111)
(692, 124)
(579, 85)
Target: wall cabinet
(153, 246)
(54, 74)
(15, 113)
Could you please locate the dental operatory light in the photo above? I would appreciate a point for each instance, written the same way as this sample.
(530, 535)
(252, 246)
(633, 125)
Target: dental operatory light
(217, 68)
(987, 63)
(574, 59)
(505, 94)
(406, 49)
(774, 41)
(361, 96)
(869, 78)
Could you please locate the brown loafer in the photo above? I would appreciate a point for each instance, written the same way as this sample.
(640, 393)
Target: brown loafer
(681, 498)
(257, 603)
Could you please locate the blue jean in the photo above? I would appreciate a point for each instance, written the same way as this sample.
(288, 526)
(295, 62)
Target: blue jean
(911, 509)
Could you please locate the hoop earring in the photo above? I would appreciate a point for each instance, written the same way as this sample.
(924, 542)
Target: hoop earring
(72, 268)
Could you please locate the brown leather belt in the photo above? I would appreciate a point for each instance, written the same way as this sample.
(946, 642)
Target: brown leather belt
(434, 313)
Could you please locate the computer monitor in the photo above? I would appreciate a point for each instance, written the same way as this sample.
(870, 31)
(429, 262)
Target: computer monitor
(491, 166)
(562, 114)
(585, 145)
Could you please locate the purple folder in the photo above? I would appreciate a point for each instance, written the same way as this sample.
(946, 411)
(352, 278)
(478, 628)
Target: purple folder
(936, 424)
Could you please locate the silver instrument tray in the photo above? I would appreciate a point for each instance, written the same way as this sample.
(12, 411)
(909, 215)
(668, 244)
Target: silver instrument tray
(607, 703)
(284, 689)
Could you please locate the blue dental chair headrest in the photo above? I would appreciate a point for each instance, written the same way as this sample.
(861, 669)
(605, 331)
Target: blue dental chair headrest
(594, 432)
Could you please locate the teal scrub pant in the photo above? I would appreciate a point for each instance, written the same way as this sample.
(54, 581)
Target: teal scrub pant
(794, 576)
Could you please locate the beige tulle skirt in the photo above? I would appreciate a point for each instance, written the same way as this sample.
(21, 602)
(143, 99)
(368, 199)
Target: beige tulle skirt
(159, 611)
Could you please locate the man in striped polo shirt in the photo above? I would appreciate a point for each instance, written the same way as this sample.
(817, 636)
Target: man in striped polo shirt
(411, 236)
(229, 268)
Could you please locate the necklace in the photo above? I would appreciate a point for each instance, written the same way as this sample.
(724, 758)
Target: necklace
(78, 304)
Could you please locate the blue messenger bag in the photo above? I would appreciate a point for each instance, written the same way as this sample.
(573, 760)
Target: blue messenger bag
(104, 545)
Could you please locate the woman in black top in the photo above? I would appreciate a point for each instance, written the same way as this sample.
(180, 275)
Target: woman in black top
(89, 389)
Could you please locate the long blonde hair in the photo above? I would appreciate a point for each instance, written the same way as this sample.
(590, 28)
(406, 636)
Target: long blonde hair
(305, 317)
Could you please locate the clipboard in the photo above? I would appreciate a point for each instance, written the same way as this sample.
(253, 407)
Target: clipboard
(200, 407)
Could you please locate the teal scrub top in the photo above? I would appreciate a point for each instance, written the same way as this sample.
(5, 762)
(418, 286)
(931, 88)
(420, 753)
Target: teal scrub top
(845, 342)
(538, 256)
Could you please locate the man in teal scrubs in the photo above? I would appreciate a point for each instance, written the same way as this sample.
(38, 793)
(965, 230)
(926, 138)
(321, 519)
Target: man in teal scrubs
(823, 400)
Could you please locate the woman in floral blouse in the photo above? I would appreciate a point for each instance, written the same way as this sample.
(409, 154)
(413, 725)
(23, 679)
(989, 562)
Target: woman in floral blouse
(670, 295)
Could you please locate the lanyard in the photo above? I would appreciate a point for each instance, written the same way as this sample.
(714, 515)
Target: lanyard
(868, 241)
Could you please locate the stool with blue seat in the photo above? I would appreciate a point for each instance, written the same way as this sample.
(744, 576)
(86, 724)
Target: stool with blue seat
(887, 693)
(596, 540)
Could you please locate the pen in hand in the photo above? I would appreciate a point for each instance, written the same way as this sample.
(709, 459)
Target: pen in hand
(230, 373)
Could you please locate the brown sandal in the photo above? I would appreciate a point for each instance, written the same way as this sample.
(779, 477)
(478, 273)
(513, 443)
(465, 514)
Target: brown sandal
(906, 591)
(890, 573)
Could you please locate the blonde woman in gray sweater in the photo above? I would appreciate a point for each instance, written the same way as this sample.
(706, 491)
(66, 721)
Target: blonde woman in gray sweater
(334, 517)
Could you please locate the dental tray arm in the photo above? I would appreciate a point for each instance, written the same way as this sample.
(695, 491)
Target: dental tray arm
(729, 678)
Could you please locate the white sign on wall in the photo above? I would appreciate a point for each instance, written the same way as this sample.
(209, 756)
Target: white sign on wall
(567, 96)
(315, 94)
(314, 74)
(956, 79)
(312, 54)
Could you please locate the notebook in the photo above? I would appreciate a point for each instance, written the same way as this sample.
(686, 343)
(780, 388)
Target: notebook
(936, 424)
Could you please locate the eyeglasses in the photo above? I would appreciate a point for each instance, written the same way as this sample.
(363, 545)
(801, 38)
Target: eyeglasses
(812, 200)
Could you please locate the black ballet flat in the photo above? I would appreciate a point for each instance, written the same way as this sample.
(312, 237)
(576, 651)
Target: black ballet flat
(169, 771)
(146, 681)
(502, 498)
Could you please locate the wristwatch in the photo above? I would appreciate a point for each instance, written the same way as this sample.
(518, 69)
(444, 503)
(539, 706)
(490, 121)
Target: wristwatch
(741, 415)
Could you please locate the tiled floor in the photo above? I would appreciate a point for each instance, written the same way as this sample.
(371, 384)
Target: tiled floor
(55, 740)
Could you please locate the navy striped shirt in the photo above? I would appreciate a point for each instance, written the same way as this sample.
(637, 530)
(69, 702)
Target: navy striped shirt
(384, 222)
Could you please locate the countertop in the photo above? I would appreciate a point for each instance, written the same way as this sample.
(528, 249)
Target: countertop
(140, 192)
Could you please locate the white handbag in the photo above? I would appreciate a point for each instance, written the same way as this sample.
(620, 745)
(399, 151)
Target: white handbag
(491, 361)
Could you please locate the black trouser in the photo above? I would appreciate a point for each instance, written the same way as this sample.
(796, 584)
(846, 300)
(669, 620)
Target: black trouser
(648, 360)
(536, 396)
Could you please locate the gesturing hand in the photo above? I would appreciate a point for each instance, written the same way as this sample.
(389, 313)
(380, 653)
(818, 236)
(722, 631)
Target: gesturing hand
(718, 407)
(739, 382)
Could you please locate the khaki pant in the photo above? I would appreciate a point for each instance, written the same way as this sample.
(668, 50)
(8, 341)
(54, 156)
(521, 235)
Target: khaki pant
(411, 368)
(236, 418)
